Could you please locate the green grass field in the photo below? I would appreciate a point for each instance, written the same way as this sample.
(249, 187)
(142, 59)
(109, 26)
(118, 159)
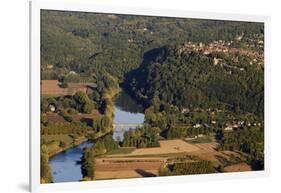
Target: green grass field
(53, 142)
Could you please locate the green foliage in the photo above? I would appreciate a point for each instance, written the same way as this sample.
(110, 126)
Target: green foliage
(141, 137)
(79, 102)
(100, 147)
(45, 169)
(249, 140)
(62, 144)
(190, 80)
(64, 85)
(101, 123)
(65, 128)
(66, 116)
(188, 168)
(90, 43)
(88, 163)
(109, 143)
(84, 103)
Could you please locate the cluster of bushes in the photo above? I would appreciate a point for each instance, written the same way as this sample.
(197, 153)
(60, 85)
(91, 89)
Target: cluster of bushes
(145, 136)
(102, 123)
(83, 103)
(249, 140)
(45, 169)
(188, 168)
(68, 106)
(79, 102)
(180, 132)
(65, 129)
(66, 116)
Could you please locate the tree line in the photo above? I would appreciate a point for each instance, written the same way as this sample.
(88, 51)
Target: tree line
(141, 137)
(100, 147)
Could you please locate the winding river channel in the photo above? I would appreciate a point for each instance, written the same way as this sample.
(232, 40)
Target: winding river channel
(66, 166)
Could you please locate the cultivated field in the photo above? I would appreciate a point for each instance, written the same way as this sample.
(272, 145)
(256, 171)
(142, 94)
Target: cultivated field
(207, 151)
(109, 168)
(52, 88)
(145, 162)
(166, 147)
(101, 175)
(83, 117)
(238, 168)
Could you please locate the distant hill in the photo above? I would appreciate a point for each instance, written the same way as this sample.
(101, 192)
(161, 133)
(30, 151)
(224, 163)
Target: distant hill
(89, 43)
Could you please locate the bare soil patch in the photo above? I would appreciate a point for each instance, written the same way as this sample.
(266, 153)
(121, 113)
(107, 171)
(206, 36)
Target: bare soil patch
(242, 167)
(109, 168)
(166, 147)
(208, 152)
(52, 88)
(87, 118)
(124, 174)
(54, 118)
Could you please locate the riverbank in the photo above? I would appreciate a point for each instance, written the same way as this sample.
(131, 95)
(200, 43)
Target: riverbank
(108, 97)
(66, 166)
(71, 158)
(63, 149)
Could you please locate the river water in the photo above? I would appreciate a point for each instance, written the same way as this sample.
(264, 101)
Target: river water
(127, 111)
(66, 166)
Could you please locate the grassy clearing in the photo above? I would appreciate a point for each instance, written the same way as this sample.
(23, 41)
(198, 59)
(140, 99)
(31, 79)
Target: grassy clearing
(53, 147)
(49, 138)
(58, 143)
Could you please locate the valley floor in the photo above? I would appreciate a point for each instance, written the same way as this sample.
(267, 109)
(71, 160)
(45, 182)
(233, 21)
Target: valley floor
(146, 162)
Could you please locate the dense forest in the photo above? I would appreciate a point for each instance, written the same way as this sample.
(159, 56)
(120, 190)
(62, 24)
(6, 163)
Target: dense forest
(191, 80)
(91, 44)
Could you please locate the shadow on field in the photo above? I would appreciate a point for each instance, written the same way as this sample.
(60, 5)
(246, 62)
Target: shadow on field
(145, 173)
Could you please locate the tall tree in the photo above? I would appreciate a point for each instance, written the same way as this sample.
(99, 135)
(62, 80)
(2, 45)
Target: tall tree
(45, 170)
